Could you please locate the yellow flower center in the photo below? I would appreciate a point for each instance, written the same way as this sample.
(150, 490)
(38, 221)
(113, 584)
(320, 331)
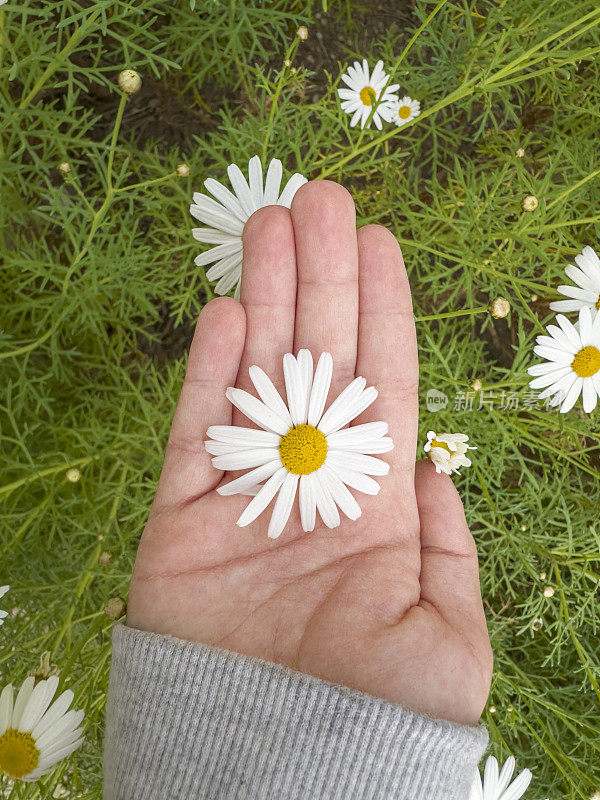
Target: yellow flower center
(443, 445)
(598, 303)
(303, 449)
(404, 112)
(367, 95)
(587, 362)
(18, 754)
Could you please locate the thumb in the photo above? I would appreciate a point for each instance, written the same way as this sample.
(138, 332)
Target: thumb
(449, 567)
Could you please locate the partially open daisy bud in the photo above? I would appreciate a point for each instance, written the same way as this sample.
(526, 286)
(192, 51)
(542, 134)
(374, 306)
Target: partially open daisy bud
(520, 153)
(548, 591)
(129, 81)
(73, 475)
(477, 385)
(448, 451)
(537, 624)
(183, 170)
(529, 203)
(115, 608)
(287, 63)
(64, 167)
(499, 308)
(302, 33)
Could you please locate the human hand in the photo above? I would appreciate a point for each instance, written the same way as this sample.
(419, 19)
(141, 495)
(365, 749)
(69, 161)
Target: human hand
(388, 604)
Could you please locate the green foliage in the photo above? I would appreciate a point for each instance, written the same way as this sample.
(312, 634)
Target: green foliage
(99, 293)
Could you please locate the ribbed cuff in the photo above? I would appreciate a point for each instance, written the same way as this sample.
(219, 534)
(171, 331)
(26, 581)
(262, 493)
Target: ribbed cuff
(191, 722)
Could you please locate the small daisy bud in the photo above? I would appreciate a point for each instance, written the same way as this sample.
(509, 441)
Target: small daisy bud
(477, 385)
(302, 33)
(183, 170)
(65, 167)
(548, 591)
(293, 70)
(520, 153)
(542, 576)
(129, 81)
(499, 308)
(529, 203)
(534, 298)
(537, 624)
(492, 709)
(73, 475)
(287, 63)
(115, 608)
(105, 558)
(523, 527)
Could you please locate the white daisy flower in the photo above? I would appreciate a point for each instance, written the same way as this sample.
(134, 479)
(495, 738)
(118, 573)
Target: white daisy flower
(496, 785)
(365, 89)
(447, 451)
(573, 362)
(402, 111)
(36, 733)
(227, 214)
(587, 277)
(301, 447)
(3, 614)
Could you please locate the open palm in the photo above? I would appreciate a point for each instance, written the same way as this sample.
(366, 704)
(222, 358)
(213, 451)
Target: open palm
(388, 604)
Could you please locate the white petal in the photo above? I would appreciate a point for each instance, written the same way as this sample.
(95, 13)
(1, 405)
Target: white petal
(63, 732)
(588, 261)
(582, 279)
(585, 295)
(566, 305)
(228, 281)
(370, 447)
(558, 335)
(518, 787)
(325, 504)
(358, 433)
(40, 699)
(571, 396)
(283, 506)
(227, 198)
(305, 364)
(241, 188)
(255, 179)
(307, 500)
(230, 266)
(553, 354)
(338, 409)
(550, 378)
(356, 480)
(243, 437)
(249, 480)
(294, 389)
(6, 708)
(54, 713)
(212, 236)
(358, 462)
(320, 388)
(490, 779)
(543, 369)
(585, 326)
(245, 459)
(22, 700)
(356, 407)
(506, 773)
(269, 395)
(561, 385)
(258, 504)
(272, 182)
(218, 252)
(570, 330)
(341, 495)
(46, 764)
(290, 189)
(256, 411)
(590, 398)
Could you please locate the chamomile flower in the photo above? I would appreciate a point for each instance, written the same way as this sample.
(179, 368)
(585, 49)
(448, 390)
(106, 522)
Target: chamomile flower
(3, 614)
(365, 89)
(226, 215)
(402, 111)
(572, 366)
(587, 277)
(448, 451)
(36, 733)
(301, 448)
(496, 785)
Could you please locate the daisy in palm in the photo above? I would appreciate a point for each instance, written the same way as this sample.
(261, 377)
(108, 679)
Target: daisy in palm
(496, 785)
(301, 448)
(448, 451)
(365, 90)
(572, 365)
(36, 733)
(226, 214)
(586, 294)
(3, 614)
(402, 111)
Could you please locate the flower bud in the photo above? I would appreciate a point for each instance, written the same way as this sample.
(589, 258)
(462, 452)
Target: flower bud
(105, 558)
(302, 33)
(477, 385)
(529, 203)
(183, 170)
(520, 153)
(65, 167)
(499, 308)
(115, 608)
(73, 475)
(548, 591)
(129, 81)
(537, 624)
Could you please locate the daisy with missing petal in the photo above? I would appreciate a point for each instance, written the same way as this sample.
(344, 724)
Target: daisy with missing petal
(496, 785)
(3, 614)
(587, 277)
(36, 733)
(402, 111)
(365, 89)
(572, 366)
(226, 215)
(301, 448)
(448, 451)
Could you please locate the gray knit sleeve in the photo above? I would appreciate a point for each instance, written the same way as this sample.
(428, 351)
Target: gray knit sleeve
(191, 722)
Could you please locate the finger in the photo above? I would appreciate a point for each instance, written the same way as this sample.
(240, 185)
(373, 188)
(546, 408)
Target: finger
(268, 294)
(324, 222)
(387, 345)
(212, 366)
(449, 567)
